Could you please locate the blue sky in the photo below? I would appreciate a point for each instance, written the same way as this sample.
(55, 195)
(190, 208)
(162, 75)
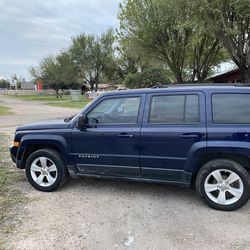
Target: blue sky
(33, 29)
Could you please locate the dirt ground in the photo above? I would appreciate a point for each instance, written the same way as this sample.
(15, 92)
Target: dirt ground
(94, 214)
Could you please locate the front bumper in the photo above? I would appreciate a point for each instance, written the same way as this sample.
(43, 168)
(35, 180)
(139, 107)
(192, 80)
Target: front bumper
(13, 153)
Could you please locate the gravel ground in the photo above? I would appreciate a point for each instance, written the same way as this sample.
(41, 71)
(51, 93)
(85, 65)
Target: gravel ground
(94, 214)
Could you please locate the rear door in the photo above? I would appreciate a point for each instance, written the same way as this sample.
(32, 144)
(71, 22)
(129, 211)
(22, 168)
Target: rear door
(173, 123)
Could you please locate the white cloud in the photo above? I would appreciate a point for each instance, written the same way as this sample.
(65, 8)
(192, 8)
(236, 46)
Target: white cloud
(16, 61)
(33, 29)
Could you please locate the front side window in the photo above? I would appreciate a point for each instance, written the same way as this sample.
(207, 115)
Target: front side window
(174, 109)
(231, 108)
(120, 110)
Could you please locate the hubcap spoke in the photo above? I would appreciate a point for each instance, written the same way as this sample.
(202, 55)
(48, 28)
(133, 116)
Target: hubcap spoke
(43, 161)
(35, 168)
(221, 198)
(52, 168)
(50, 179)
(217, 175)
(40, 179)
(232, 178)
(235, 192)
(210, 187)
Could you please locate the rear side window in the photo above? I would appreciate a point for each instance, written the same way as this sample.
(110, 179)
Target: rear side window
(174, 109)
(231, 108)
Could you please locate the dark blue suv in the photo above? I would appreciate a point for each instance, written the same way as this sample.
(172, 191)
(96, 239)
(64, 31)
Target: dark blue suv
(177, 135)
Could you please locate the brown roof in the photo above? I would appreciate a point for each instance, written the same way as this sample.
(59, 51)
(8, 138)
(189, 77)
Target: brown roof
(224, 74)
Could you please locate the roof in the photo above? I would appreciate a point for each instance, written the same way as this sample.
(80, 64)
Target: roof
(184, 87)
(224, 74)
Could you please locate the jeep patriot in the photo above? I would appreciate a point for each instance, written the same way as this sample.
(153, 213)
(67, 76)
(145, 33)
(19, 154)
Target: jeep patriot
(175, 135)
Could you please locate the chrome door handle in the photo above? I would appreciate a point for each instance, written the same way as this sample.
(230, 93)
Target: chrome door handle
(190, 136)
(125, 135)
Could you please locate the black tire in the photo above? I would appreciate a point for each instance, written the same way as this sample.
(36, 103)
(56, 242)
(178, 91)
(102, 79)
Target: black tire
(223, 164)
(53, 157)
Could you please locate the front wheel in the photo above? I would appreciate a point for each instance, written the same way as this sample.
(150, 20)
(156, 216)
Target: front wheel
(45, 170)
(223, 184)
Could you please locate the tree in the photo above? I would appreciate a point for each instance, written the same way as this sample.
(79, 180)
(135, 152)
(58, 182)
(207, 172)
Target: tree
(92, 56)
(168, 30)
(203, 54)
(56, 72)
(4, 84)
(230, 22)
(147, 78)
(138, 69)
(67, 71)
(130, 59)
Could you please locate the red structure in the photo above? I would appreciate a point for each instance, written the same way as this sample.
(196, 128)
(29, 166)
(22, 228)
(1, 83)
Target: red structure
(232, 76)
(39, 85)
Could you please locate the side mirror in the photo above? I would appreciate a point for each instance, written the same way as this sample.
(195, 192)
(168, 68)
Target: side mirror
(82, 121)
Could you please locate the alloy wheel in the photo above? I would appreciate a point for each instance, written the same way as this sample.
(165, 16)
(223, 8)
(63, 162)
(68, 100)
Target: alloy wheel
(43, 171)
(224, 187)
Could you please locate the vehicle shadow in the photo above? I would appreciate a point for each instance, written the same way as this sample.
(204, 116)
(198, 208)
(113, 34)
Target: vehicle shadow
(125, 188)
(187, 198)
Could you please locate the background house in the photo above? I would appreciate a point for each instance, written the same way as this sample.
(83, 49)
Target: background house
(232, 76)
(28, 86)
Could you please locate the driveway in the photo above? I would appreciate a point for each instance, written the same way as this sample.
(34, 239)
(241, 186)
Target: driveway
(29, 111)
(94, 214)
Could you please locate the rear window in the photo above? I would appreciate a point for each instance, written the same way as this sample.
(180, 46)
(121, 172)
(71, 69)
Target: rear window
(174, 109)
(231, 108)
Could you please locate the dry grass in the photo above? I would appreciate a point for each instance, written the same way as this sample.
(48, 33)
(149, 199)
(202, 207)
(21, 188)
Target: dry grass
(9, 196)
(5, 111)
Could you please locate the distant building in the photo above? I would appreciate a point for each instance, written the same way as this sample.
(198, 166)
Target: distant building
(101, 87)
(39, 85)
(232, 76)
(28, 86)
(106, 87)
(13, 85)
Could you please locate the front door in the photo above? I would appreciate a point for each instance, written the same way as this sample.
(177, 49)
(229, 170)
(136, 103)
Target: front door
(173, 123)
(109, 144)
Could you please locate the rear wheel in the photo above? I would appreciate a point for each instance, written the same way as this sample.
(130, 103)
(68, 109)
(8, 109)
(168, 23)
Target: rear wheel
(45, 170)
(223, 184)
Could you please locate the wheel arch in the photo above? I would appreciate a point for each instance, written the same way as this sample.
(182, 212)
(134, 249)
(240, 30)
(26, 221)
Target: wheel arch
(30, 145)
(31, 148)
(239, 158)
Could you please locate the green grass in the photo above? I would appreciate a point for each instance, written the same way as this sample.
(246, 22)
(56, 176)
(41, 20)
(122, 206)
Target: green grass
(9, 197)
(5, 111)
(65, 102)
(69, 104)
(46, 98)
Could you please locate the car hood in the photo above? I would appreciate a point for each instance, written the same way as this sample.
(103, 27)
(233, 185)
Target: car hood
(47, 124)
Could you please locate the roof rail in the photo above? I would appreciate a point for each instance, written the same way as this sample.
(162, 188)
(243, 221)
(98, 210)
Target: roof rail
(200, 84)
(158, 86)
